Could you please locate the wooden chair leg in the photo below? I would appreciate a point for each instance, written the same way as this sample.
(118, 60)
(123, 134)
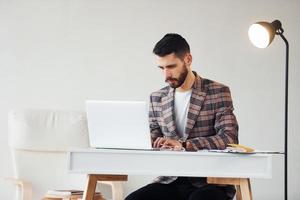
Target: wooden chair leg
(25, 187)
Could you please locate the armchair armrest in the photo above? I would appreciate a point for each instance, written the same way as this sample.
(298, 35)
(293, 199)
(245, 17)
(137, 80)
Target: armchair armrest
(25, 186)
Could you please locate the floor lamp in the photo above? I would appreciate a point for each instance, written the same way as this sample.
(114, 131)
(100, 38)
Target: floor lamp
(261, 34)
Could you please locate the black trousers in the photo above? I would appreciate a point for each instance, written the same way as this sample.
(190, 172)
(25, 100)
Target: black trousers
(180, 189)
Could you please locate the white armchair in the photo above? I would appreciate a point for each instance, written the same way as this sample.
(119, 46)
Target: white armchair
(39, 140)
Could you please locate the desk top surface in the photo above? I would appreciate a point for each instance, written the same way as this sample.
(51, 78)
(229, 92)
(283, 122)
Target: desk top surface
(165, 152)
(169, 163)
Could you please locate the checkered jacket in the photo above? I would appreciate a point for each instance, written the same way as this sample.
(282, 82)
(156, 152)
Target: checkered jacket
(211, 123)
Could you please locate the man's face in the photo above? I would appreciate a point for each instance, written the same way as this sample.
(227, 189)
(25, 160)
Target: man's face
(174, 69)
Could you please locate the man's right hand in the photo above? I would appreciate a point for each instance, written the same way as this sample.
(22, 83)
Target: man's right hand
(160, 142)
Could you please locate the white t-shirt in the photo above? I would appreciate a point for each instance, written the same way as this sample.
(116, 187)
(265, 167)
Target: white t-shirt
(181, 107)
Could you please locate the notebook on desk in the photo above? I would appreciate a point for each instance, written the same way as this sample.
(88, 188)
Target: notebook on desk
(118, 124)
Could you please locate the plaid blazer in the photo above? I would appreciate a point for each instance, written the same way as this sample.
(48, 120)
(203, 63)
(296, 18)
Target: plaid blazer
(211, 123)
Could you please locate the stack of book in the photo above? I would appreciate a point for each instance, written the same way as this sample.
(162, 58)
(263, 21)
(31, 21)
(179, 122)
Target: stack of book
(68, 195)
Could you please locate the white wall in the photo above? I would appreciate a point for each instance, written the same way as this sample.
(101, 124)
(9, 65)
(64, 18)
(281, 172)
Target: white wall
(58, 53)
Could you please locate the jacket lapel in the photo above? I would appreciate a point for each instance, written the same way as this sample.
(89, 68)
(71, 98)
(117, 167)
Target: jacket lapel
(196, 101)
(168, 112)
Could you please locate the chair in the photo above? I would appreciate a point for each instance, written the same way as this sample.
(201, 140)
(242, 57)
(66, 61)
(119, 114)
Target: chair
(243, 187)
(39, 140)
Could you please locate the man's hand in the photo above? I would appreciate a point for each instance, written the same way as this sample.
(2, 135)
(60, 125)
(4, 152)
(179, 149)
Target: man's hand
(165, 142)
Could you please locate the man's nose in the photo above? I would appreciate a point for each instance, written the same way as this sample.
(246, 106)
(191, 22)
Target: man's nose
(167, 73)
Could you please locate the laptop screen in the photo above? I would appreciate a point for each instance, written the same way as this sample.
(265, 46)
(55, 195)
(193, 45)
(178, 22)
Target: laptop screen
(118, 124)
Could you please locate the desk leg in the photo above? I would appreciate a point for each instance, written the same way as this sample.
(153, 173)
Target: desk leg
(243, 187)
(90, 187)
(92, 183)
(238, 195)
(246, 188)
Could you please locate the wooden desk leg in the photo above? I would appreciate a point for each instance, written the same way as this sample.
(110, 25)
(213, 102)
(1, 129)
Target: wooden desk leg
(238, 192)
(246, 188)
(92, 183)
(243, 187)
(90, 187)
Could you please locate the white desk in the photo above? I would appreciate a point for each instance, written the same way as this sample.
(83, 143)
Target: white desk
(168, 163)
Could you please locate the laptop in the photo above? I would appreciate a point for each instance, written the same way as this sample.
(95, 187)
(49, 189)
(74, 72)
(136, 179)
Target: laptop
(118, 124)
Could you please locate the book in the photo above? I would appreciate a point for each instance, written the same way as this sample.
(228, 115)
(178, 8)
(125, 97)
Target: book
(67, 195)
(63, 193)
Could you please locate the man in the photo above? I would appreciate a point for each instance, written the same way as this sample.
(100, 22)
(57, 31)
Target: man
(192, 113)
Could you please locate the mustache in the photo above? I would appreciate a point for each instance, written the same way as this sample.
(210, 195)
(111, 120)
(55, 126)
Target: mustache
(170, 79)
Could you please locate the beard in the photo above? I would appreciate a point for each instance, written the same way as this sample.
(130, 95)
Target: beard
(177, 82)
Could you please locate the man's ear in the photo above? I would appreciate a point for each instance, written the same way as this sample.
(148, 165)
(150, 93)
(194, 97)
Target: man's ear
(188, 59)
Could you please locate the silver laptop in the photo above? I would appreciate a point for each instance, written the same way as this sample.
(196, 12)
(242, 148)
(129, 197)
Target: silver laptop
(118, 124)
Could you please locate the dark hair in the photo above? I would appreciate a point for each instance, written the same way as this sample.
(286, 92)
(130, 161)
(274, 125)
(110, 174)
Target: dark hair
(172, 43)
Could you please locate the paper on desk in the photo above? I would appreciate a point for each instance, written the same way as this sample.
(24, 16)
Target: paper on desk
(240, 152)
(268, 152)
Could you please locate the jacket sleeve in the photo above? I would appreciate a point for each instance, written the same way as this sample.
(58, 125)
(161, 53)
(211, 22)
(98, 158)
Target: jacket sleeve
(226, 126)
(155, 130)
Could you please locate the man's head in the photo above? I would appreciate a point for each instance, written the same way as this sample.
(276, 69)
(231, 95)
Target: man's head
(174, 58)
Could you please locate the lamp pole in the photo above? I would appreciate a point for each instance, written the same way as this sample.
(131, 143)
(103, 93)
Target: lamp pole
(280, 32)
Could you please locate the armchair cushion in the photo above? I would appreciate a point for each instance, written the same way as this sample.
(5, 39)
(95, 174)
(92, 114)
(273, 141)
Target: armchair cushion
(47, 130)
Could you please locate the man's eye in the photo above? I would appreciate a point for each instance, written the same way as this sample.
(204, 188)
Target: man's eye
(171, 66)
